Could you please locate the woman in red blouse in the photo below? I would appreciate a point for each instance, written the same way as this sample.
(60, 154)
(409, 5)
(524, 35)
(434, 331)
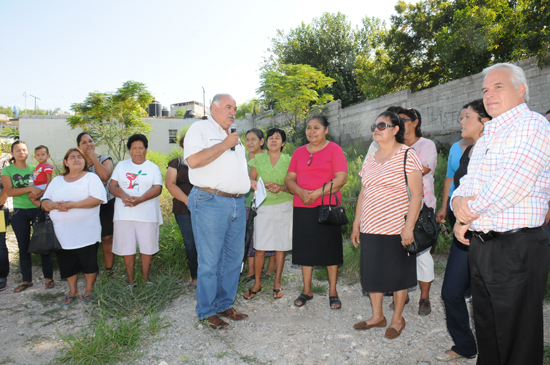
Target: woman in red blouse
(313, 244)
(380, 224)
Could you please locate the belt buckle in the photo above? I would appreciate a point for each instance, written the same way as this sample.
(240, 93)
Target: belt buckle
(479, 236)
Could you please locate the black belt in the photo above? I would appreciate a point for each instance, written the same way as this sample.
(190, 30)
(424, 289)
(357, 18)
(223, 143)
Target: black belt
(220, 193)
(484, 237)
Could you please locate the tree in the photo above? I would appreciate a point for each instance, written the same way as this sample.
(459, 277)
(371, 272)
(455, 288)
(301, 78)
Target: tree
(11, 132)
(251, 106)
(6, 110)
(331, 45)
(180, 112)
(293, 90)
(111, 119)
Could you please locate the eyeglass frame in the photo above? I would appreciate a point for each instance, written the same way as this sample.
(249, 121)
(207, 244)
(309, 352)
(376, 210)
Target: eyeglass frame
(385, 125)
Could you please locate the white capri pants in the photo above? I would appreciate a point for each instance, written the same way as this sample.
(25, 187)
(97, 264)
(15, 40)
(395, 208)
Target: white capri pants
(425, 266)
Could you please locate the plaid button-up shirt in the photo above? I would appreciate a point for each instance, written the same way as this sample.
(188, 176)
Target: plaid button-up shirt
(510, 172)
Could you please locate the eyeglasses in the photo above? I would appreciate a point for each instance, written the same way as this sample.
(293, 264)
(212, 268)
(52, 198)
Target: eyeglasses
(310, 159)
(381, 126)
(406, 119)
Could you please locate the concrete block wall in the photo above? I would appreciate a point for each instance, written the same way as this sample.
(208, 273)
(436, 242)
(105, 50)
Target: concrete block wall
(439, 107)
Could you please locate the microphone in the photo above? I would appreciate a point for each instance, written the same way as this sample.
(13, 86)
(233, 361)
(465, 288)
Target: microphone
(233, 130)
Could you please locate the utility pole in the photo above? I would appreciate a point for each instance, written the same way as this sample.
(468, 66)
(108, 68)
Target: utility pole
(34, 102)
(25, 113)
(203, 102)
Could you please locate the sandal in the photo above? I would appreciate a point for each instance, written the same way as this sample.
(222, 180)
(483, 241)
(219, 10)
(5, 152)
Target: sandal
(22, 287)
(276, 293)
(335, 300)
(251, 293)
(49, 284)
(303, 299)
(68, 300)
(84, 299)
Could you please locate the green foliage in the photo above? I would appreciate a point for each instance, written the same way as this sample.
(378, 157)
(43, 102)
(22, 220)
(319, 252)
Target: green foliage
(112, 119)
(159, 159)
(355, 154)
(350, 270)
(319, 289)
(331, 45)
(180, 113)
(293, 89)
(320, 273)
(6, 110)
(172, 253)
(251, 106)
(11, 132)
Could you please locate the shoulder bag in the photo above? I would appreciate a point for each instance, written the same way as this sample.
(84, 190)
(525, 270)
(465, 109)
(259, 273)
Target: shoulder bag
(43, 239)
(332, 215)
(426, 229)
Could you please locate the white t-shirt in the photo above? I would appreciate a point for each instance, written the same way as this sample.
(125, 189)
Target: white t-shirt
(136, 180)
(78, 227)
(228, 172)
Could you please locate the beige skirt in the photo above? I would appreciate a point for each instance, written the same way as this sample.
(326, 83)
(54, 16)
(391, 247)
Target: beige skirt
(273, 227)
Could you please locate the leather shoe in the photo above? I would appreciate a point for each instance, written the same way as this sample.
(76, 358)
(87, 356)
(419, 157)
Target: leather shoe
(392, 332)
(233, 314)
(363, 325)
(216, 322)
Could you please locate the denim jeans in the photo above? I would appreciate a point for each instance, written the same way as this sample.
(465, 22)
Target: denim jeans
(21, 222)
(4, 260)
(456, 285)
(186, 229)
(219, 227)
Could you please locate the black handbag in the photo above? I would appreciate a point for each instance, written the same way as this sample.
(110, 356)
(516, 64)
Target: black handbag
(426, 229)
(43, 239)
(332, 215)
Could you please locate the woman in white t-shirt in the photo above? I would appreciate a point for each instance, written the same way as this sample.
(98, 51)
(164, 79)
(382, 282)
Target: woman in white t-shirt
(136, 183)
(73, 200)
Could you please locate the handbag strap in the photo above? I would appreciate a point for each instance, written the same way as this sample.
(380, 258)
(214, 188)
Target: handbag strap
(405, 171)
(330, 195)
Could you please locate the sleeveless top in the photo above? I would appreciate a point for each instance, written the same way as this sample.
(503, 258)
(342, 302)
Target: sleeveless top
(103, 158)
(463, 167)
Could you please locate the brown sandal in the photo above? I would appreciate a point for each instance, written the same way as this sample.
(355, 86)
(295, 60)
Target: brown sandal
(49, 284)
(22, 287)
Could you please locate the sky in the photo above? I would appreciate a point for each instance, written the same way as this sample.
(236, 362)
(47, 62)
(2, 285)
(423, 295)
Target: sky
(61, 50)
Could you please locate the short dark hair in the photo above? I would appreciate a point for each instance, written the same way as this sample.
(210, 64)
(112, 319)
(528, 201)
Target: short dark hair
(42, 147)
(321, 118)
(257, 132)
(281, 132)
(135, 138)
(413, 114)
(478, 107)
(66, 168)
(394, 108)
(397, 121)
(80, 135)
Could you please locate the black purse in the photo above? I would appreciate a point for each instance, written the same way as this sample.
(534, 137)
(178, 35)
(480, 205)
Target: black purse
(426, 229)
(332, 215)
(43, 239)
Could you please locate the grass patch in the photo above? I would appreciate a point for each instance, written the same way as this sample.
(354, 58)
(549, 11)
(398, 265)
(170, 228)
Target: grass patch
(7, 360)
(107, 343)
(47, 298)
(350, 269)
(320, 273)
(319, 289)
(52, 311)
(116, 301)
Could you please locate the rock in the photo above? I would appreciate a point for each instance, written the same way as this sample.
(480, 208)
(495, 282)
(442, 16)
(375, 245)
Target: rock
(363, 352)
(329, 337)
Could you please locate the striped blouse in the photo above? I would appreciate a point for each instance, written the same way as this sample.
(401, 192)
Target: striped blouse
(385, 202)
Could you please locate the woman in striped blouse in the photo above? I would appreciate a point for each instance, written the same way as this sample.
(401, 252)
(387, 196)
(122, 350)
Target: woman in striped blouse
(384, 222)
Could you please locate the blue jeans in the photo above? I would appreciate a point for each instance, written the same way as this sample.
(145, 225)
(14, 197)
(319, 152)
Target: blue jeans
(456, 284)
(186, 229)
(21, 222)
(4, 260)
(218, 226)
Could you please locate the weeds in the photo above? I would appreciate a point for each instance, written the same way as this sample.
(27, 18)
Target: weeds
(320, 289)
(47, 298)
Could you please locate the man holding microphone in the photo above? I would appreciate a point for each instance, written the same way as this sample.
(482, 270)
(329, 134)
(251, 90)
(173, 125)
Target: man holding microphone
(218, 171)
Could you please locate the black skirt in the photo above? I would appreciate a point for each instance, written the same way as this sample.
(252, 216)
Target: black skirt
(385, 266)
(315, 244)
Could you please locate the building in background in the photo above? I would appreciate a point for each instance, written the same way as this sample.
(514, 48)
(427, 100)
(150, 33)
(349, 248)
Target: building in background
(193, 106)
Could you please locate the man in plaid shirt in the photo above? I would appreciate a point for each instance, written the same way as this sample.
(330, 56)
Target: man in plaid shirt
(503, 199)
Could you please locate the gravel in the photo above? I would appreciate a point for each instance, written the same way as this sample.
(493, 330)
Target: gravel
(276, 331)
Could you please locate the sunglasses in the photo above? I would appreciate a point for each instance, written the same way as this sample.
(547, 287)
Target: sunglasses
(310, 160)
(381, 126)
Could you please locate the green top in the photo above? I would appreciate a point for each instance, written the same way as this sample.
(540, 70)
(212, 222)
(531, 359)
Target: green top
(20, 179)
(276, 174)
(250, 195)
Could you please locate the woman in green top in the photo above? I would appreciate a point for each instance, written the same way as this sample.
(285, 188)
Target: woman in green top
(15, 179)
(254, 145)
(273, 224)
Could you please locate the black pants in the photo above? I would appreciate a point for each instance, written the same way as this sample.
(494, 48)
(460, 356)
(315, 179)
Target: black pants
(509, 275)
